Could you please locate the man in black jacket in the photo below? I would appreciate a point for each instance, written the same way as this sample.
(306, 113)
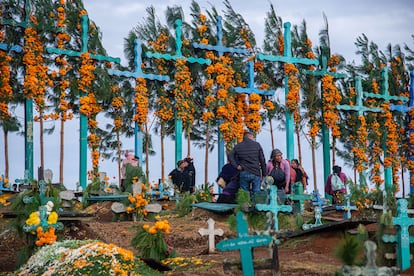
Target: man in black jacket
(247, 156)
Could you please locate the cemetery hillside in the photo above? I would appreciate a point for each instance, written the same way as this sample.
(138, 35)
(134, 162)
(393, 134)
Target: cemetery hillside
(196, 89)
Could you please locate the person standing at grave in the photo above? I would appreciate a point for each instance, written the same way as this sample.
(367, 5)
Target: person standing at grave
(129, 159)
(189, 176)
(335, 184)
(300, 174)
(133, 173)
(248, 158)
(279, 169)
(178, 177)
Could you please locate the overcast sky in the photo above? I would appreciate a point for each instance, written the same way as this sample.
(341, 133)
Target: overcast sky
(382, 21)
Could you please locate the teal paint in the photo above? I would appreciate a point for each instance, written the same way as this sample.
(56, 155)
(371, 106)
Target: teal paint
(178, 55)
(274, 207)
(326, 145)
(287, 58)
(137, 73)
(244, 243)
(83, 139)
(403, 238)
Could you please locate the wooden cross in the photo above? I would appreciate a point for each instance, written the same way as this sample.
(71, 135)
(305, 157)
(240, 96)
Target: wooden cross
(298, 195)
(28, 125)
(287, 58)
(274, 207)
(178, 55)
(245, 244)
(347, 208)
(250, 84)
(137, 73)
(361, 109)
(211, 232)
(385, 95)
(221, 49)
(325, 131)
(403, 238)
(83, 119)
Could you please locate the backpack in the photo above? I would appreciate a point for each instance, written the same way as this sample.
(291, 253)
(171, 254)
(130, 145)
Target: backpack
(336, 183)
(278, 176)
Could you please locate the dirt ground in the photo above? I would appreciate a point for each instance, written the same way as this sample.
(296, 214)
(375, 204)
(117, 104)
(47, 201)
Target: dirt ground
(305, 255)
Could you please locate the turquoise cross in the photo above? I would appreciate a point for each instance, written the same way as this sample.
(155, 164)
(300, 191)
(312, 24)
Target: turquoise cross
(15, 48)
(301, 197)
(404, 108)
(403, 238)
(137, 73)
(325, 131)
(250, 84)
(361, 109)
(83, 139)
(287, 58)
(43, 222)
(220, 49)
(178, 55)
(347, 208)
(274, 207)
(28, 126)
(244, 243)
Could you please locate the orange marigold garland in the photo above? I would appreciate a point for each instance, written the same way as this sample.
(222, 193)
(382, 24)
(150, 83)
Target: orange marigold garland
(141, 102)
(89, 107)
(331, 97)
(293, 97)
(253, 118)
(183, 93)
(361, 150)
(6, 91)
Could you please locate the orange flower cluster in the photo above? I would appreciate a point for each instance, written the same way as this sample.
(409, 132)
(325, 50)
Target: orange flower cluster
(183, 93)
(253, 117)
(244, 32)
(281, 44)
(161, 226)
(293, 97)
(36, 78)
(117, 103)
(376, 152)
(315, 126)
(6, 91)
(392, 136)
(410, 163)
(331, 97)
(48, 237)
(141, 102)
(137, 205)
(202, 29)
(361, 150)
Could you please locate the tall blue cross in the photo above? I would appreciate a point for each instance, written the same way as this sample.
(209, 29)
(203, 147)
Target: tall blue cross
(28, 125)
(405, 109)
(274, 207)
(385, 95)
(178, 55)
(361, 109)
(245, 243)
(137, 73)
(287, 58)
(325, 131)
(250, 89)
(403, 238)
(220, 49)
(83, 119)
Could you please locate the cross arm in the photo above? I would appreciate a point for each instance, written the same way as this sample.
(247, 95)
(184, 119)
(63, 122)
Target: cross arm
(284, 59)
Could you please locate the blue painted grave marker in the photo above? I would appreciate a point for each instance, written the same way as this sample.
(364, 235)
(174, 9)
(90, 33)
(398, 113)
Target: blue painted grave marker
(403, 238)
(137, 73)
(245, 244)
(178, 55)
(287, 58)
(274, 207)
(347, 208)
(83, 139)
